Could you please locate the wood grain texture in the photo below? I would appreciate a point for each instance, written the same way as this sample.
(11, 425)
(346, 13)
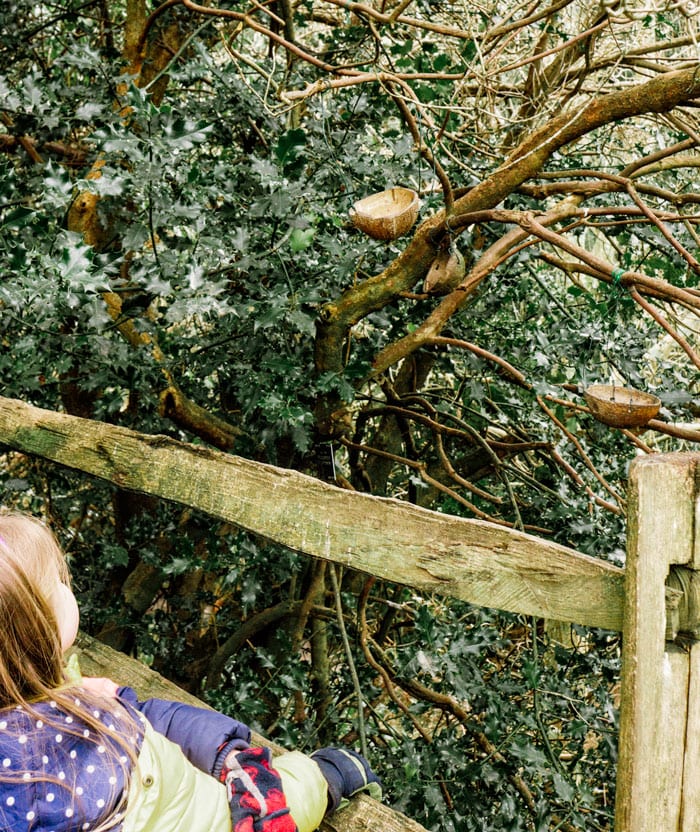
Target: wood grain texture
(656, 708)
(466, 559)
(690, 806)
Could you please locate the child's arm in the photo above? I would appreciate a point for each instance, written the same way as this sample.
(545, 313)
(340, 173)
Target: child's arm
(199, 732)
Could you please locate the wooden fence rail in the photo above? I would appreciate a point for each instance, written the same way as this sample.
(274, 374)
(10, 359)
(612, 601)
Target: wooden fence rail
(655, 601)
(467, 559)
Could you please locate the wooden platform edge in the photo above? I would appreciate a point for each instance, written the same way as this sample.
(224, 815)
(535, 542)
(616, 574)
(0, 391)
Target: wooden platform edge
(97, 659)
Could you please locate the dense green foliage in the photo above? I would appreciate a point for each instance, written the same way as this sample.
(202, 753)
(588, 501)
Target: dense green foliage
(174, 248)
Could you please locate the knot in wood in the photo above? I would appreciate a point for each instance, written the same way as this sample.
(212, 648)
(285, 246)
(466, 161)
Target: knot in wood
(327, 312)
(682, 603)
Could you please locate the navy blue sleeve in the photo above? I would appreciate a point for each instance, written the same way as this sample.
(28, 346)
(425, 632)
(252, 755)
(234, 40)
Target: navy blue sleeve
(198, 731)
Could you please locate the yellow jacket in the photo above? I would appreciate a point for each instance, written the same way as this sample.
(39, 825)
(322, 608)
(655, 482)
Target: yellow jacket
(168, 794)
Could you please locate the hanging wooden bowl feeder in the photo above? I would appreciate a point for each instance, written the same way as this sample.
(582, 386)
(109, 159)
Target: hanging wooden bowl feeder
(621, 407)
(386, 215)
(445, 273)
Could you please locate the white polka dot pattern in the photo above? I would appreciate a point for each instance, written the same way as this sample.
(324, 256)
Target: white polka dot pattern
(62, 781)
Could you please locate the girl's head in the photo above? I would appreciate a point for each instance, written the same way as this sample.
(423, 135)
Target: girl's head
(38, 612)
(38, 621)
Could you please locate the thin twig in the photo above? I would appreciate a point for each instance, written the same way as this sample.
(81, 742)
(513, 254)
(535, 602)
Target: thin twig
(351, 664)
(584, 456)
(664, 324)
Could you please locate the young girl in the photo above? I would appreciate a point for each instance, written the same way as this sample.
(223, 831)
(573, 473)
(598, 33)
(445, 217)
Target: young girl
(90, 756)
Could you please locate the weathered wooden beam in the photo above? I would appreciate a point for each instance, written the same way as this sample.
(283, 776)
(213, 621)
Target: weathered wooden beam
(472, 560)
(658, 773)
(96, 659)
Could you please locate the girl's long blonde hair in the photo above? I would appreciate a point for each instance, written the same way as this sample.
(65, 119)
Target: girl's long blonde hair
(31, 660)
(31, 657)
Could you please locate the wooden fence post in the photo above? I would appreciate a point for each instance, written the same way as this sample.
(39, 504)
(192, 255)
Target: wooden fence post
(658, 780)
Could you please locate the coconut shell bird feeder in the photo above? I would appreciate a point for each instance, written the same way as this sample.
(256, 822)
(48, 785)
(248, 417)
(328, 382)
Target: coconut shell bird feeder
(621, 407)
(445, 273)
(386, 215)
